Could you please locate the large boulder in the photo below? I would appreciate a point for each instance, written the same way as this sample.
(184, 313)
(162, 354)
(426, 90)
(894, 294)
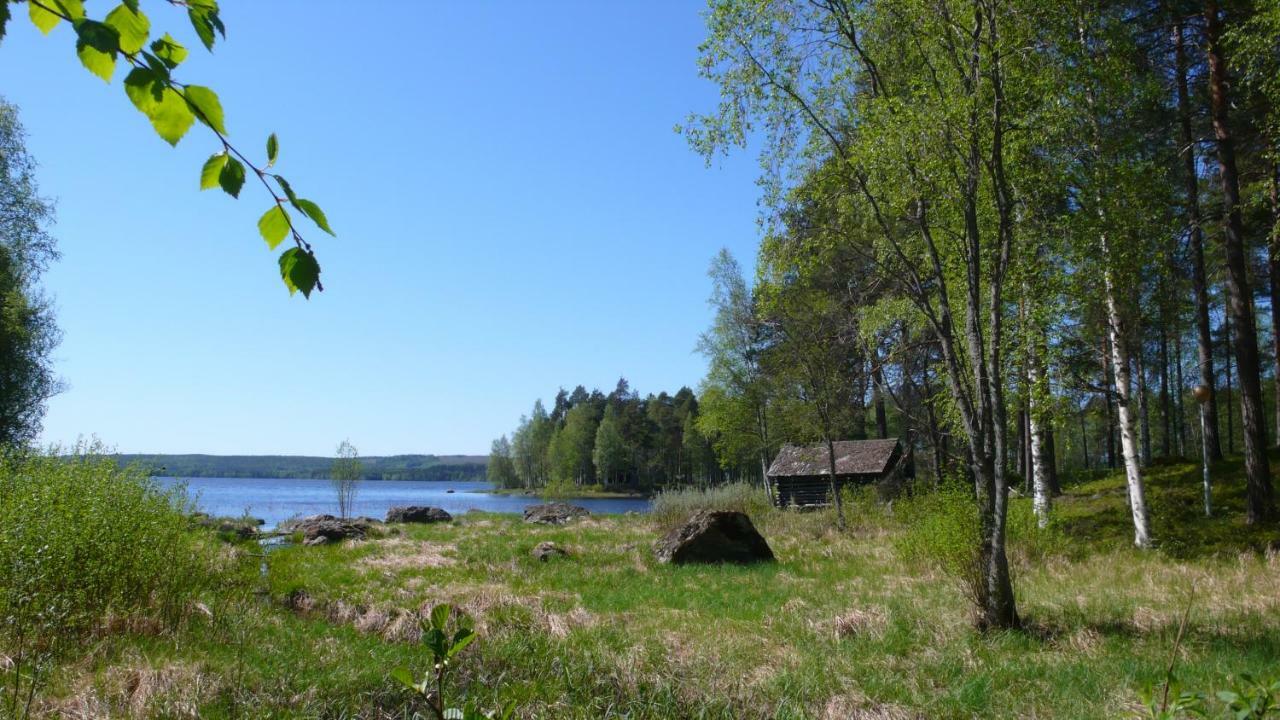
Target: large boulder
(330, 528)
(417, 514)
(714, 536)
(554, 513)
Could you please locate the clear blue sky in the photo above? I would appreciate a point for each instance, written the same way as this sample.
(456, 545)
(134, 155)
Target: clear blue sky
(514, 210)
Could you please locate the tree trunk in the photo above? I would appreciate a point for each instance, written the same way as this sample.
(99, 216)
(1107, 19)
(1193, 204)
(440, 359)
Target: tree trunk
(1179, 392)
(1204, 341)
(1042, 489)
(1226, 352)
(1124, 405)
(1166, 418)
(1106, 396)
(1144, 410)
(1051, 449)
(1273, 267)
(1260, 502)
(1084, 440)
(877, 395)
(835, 488)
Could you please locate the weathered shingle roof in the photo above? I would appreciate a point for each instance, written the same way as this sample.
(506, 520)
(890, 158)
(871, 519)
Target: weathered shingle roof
(853, 457)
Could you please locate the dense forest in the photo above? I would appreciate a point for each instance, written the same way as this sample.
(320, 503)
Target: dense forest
(393, 467)
(620, 441)
(1030, 236)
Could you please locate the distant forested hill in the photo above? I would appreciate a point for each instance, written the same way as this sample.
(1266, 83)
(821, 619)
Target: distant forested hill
(393, 467)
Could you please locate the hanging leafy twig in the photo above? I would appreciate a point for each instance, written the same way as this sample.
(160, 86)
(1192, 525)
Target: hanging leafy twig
(173, 107)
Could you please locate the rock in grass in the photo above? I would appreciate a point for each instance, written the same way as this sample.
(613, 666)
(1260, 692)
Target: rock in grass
(714, 536)
(545, 551)
(554, 513)
(328, 527)
(417, 514)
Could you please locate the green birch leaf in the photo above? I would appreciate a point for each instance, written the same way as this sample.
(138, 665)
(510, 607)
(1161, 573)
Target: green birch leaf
(314, 212)
(205, 20)
(97, 44)
(170, 51)
(231, 178)
(274, 226)
(132, 5)
(212, 171)
(73, 9)
(207, 106)
(299, 270)
(42, 18)
(4, 18)
(273, 147)
(168, 112)
(288, 191)
(131, 25)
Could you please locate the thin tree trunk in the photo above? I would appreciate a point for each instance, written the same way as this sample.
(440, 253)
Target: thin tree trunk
(1124, 405)
(1204, 340)
(1144, 411)
(1179, 392)
(877, 395)
(1084, 439)
(1226, 353)
(835, 488)
(1166, 419)
(1051, 449)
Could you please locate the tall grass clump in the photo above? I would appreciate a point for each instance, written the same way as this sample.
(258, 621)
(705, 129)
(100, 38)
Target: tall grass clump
(672, 507)
(86, 547)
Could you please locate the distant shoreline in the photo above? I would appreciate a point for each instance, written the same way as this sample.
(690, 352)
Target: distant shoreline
(576, 495)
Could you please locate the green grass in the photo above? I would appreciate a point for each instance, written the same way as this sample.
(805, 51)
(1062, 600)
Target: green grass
(842, 625)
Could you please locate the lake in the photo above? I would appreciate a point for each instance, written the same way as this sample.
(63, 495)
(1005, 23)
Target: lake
(276, 499)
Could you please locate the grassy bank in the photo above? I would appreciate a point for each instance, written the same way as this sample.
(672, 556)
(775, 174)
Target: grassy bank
(843, 625)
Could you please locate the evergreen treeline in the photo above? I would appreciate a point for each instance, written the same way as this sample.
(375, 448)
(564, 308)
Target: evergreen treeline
(618, 441)
(1019, 232)
(393, 467)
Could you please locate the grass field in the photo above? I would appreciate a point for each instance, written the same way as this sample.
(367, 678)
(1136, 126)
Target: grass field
(841, 626)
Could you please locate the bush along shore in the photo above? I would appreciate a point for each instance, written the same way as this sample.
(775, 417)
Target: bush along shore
(115, 603)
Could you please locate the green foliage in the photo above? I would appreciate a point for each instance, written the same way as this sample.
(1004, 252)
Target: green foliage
(941, 532)
(1170, 702)
(1252, 699)
(28, 333)
(274, 226)
(345, 476)
(445, 643)
(172, 107)
(84, 542)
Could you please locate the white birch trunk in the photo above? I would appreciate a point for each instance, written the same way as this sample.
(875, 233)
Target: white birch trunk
(1124, 407)
(1041, 492)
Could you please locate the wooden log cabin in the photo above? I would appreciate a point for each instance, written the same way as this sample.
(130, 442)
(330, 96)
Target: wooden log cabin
(799, 475)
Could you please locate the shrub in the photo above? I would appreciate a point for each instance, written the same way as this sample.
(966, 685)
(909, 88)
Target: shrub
(84, 543)
(941, 530)
(672, 507)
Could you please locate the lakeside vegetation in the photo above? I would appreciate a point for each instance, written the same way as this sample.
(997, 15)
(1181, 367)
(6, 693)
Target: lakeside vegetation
(864, 623)
(394, 467)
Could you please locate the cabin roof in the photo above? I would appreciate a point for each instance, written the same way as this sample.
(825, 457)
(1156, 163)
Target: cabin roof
(853, 457)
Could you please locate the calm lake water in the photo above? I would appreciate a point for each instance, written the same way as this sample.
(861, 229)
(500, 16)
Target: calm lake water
(274, 499)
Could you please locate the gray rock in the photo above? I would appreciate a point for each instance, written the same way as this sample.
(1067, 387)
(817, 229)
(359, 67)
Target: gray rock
(545, 551)
(714, 536)
(554, 513)
(328, 527)
(417, 514)
(317, 540)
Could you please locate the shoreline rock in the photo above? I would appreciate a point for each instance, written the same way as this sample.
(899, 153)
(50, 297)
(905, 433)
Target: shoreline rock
(557, 513)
